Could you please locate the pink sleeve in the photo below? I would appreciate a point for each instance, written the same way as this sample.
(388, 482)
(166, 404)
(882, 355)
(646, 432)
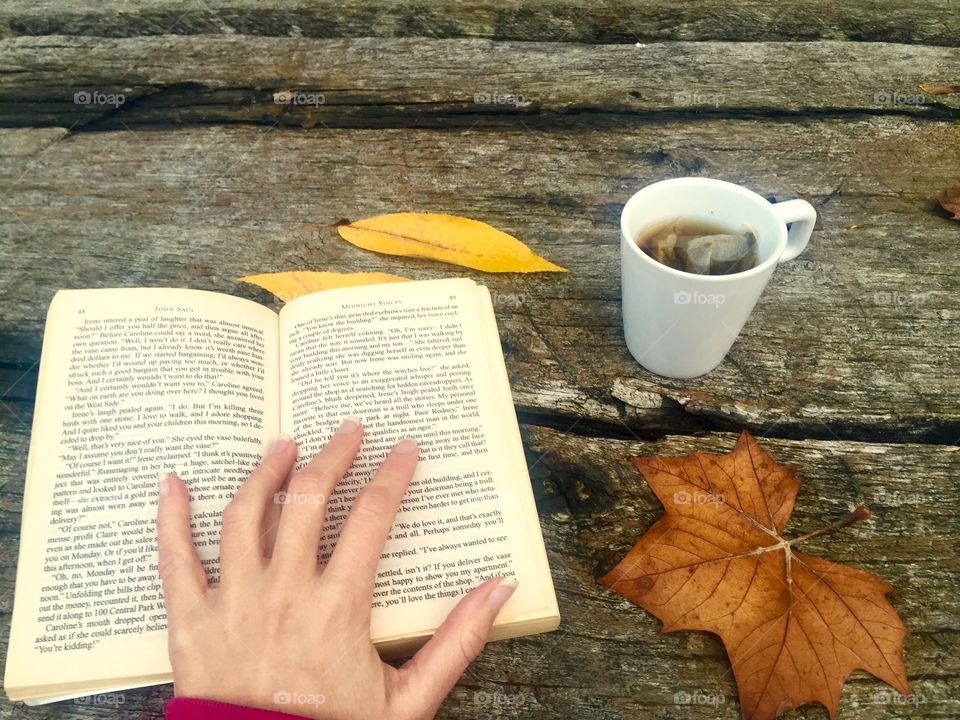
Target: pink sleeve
(183, 708)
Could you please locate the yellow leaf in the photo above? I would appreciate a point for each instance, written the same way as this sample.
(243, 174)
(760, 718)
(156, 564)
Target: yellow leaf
(447, 238)
(290, 285)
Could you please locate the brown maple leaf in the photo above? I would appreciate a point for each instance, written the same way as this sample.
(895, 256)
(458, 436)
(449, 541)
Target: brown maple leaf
(949, 200)
(794, 626)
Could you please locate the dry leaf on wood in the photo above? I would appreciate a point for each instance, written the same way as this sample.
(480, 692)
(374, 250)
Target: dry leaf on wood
(949, 200)
(931, 89)
(446, 238)
(794, 626)
(290, 285)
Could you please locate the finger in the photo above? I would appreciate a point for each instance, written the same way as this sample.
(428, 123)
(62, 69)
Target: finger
(243, 530)
(354, 561)
(304, 505)
(435, 669)
(184, 581)
(271, 520)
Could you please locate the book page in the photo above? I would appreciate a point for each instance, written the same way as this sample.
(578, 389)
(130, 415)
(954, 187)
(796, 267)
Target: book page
(133, 382)
(412, 360)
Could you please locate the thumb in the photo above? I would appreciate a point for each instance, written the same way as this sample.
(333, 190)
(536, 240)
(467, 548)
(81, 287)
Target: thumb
(435, 669)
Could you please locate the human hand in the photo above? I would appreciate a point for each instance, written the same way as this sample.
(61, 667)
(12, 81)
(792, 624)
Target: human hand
(282, 633)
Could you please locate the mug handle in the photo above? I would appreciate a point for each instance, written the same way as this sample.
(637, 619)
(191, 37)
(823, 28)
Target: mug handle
(802, 216)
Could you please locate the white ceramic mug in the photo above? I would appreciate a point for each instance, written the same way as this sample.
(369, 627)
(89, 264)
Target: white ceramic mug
(680, 324)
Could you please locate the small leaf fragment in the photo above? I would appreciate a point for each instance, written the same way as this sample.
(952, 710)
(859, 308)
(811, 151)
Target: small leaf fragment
(949, 200)
(288, 286)
(931, 89)
(446, 238)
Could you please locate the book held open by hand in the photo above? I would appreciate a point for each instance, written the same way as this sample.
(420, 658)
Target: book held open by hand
(139, 381)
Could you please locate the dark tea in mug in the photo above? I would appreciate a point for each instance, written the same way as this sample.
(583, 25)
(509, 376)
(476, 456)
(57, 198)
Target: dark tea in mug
(699, 247)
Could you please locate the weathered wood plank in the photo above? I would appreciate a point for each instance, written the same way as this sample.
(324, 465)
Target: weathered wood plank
(371, 82)
(608, 659)
(858, 338)
(932, 22)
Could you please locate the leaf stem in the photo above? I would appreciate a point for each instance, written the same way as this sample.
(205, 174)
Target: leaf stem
(861, 513)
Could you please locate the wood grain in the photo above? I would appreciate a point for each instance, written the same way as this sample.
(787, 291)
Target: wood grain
(104, 83)
(931, 22)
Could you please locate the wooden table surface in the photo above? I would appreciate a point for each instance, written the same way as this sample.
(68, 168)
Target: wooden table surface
(541, 119)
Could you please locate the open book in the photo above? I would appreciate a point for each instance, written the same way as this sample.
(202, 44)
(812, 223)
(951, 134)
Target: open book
(142, 380)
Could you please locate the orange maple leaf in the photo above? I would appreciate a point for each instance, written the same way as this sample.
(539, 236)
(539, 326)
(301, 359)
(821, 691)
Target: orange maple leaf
(794, 626)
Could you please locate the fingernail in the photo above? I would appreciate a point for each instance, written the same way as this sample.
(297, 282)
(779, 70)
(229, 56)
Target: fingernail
(502, 592)
(281, 444)
(163, 486)
(349, 425)
(406, 446)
